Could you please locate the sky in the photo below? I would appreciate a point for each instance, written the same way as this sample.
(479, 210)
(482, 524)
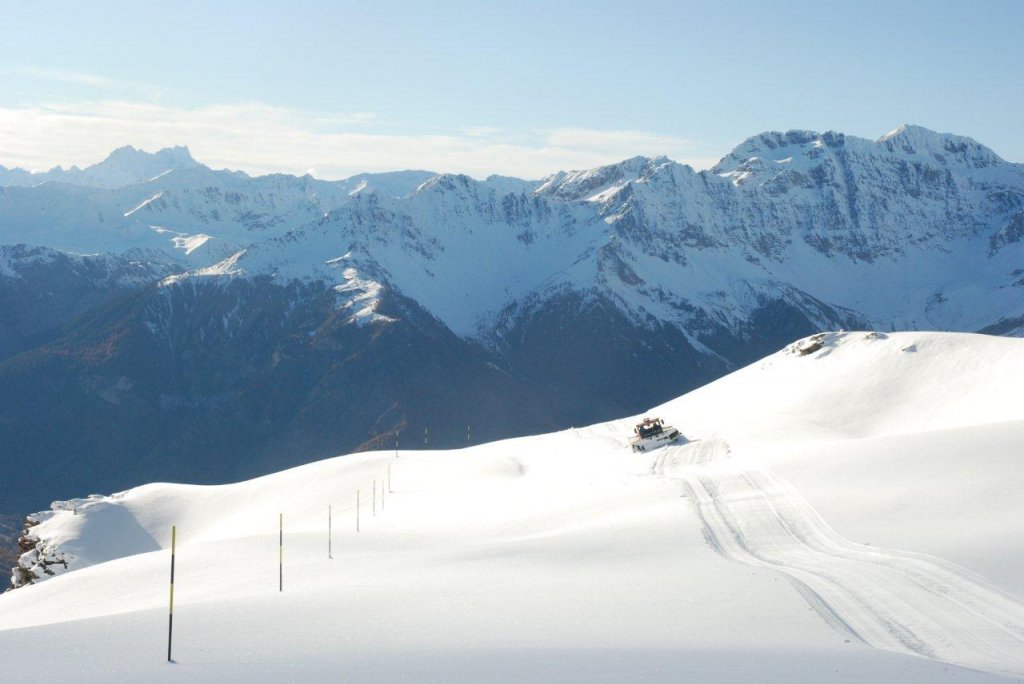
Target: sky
(512, 88)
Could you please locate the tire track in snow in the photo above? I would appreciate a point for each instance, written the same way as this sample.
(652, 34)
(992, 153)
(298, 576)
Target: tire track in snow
(893, 600)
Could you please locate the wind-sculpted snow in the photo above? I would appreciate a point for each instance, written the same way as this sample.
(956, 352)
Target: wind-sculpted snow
(898, 601)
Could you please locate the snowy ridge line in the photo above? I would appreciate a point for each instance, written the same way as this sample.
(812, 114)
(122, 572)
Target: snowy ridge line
(144, 203)
(893, 600)
(46, 558)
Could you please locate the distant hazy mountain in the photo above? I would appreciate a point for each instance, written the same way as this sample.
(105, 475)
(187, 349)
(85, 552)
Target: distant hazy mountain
(125, 166)
(225, 325)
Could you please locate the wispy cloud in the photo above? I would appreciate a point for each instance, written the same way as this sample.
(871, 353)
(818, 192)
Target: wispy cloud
(261, 138)
(65, 76)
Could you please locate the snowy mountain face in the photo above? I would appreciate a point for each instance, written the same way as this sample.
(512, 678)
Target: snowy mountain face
(935, 217)
(41, 289)
(285, 315)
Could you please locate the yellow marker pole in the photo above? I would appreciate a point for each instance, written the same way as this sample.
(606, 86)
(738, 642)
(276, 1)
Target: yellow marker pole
(280, 556)
(170, 614)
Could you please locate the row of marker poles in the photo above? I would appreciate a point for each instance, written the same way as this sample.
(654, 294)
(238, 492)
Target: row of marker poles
(385, 485)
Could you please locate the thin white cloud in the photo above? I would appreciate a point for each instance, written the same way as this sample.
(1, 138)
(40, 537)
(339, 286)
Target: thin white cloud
(112, 87)
(65, 76)
(260, 138)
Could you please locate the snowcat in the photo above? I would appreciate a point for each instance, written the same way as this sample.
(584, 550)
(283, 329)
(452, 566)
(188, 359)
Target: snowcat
(651, 434)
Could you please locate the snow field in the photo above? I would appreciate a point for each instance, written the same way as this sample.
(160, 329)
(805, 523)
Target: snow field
(893, 600)
(830, 478)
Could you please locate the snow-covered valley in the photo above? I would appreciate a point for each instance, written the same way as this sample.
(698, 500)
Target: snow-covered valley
(845, 510)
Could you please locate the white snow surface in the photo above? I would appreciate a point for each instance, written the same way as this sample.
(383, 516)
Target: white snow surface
(847, 515)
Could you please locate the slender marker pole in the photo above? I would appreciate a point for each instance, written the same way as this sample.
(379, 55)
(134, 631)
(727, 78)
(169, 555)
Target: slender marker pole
(382, 496)
(329, 532)
(280, 556)
(425, 435)
(170, 614)
(357, 511)
(467, 435)
(396, 445)
(389, 478)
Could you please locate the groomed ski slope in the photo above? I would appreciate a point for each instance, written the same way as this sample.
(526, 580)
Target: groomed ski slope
(894, 600)
(850, 515)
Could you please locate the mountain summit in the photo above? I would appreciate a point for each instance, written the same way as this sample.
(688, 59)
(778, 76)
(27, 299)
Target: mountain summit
(123, 167)
(129, 165)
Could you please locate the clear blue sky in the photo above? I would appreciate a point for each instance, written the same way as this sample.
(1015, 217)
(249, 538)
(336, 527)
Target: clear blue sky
(342, 87)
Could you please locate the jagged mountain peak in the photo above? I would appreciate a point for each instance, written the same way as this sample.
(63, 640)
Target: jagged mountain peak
(446, 181)
(920, 134)
(461, 185)
(124, 166)
(128, 164)
(918, 140)
(766, 144)
(599, 183)
(909, 140)
(178, 153)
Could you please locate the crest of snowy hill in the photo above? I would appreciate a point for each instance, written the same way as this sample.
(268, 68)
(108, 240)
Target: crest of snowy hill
(842, 504)
(830, 386)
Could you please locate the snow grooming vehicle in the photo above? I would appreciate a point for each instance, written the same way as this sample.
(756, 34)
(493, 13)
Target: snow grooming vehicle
(651, 434)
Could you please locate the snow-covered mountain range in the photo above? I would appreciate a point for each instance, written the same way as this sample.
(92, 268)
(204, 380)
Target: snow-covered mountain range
(936, 217)
(281, 314)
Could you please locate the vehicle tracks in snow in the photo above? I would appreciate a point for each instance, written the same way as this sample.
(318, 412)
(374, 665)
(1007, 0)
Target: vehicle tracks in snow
(893, 600)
